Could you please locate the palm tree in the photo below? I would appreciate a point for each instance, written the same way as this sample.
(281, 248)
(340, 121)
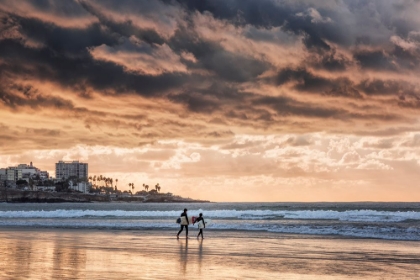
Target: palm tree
(132, 186)
(90, 179)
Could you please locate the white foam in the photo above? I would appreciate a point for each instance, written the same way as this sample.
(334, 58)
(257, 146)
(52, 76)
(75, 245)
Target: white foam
(349, 215)
(381, 232)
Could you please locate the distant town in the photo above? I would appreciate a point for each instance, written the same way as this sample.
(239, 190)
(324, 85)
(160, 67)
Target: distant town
(69, 176)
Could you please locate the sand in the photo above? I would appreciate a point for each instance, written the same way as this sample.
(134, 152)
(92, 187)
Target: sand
(100, 254)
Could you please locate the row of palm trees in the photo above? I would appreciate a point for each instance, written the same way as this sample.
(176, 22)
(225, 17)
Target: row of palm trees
(157, 187)
(107, 181)
(95, 181)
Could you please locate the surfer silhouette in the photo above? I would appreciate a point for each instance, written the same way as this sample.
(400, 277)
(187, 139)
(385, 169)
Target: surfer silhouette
(184, 223)
(201, 225)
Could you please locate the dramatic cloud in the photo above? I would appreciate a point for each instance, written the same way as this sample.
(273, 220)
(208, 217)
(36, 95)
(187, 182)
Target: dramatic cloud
(238, 100)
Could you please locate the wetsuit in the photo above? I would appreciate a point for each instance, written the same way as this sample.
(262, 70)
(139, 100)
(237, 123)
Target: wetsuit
(201, 230)
(182, 226)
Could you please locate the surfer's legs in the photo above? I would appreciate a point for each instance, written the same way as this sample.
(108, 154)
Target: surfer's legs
(201, 232)
(182, 228)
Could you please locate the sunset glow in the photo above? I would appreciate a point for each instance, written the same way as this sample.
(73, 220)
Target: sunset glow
(268, 100)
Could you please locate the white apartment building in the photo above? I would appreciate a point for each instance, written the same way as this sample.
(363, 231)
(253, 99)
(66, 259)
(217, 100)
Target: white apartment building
(29, 171)
(67, 169)
(13, 174)
(81, 186)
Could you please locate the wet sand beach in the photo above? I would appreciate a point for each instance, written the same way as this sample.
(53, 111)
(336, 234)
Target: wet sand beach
(150, 254)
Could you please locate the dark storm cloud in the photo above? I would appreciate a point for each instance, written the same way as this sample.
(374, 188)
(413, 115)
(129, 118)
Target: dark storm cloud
(64, 8)
(63, 40)
(125, 28)
(292, 16)
(213, 77)
(267, 14)
(330, 61)
(308, 82)
(376, 60)
(321, 26)
(74, 71)
(196, 102)
(211, 56)
(389, 87)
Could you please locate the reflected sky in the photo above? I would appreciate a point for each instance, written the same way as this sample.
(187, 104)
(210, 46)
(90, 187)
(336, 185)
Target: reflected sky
(76, 254)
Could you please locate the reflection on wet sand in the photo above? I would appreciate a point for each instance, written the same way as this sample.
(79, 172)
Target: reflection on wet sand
(200, 255)
(84, 254)
(68, 261)
(183, 255)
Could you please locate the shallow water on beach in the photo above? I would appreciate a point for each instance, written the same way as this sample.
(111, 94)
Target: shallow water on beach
(151, 254)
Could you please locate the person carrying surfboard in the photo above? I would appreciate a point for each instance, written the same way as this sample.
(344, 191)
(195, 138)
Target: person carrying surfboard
(184, 223)
(201, 225)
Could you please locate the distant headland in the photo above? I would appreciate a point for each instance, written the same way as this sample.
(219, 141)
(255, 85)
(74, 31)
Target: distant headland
(72, 183)
(22, 196)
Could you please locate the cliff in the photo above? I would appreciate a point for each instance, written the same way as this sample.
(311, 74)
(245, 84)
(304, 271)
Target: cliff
(146, 198)
(11, 195)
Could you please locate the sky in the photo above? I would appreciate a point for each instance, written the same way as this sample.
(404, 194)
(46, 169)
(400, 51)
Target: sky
(224, 100)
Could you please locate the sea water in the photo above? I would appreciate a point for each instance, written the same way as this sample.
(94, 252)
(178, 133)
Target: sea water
(393, 221)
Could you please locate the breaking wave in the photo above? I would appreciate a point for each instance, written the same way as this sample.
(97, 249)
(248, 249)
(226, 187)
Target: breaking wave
(349, 215)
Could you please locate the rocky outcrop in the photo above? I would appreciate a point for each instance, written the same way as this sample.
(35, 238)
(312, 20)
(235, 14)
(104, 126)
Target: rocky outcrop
(13, 195)
(158, 198)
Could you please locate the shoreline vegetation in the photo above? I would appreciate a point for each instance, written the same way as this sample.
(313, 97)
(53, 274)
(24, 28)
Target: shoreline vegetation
(27, 196)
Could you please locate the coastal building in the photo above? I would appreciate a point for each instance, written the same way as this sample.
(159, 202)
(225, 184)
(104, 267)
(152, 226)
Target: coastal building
(13, 174)
(83, 187)
(44, 175)
(66, 169)
(3, 176)
(22, 171)
(30, 171)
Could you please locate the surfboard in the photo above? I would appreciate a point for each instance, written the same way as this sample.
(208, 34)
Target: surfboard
(200, 223)
(180, 219)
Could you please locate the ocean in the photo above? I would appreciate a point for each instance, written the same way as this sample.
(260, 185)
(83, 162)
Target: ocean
(389, 221)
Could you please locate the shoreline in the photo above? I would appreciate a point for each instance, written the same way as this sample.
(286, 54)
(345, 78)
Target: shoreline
(217, 232)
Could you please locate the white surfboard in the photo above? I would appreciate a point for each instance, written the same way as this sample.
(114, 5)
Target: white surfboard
(200, 223)
(183, 220)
